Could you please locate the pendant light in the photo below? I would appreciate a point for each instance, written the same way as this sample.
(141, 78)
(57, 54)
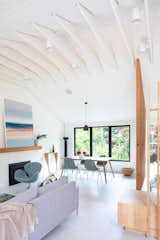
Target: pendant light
(85, 128)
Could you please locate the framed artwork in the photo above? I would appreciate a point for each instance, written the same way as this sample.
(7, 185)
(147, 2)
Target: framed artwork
(18, 124)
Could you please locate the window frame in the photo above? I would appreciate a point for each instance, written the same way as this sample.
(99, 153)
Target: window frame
(109, 140)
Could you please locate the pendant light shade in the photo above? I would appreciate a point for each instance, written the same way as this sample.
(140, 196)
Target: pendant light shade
(85, 128)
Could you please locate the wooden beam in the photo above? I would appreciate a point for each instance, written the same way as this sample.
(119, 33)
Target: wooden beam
(158, 166)
(140, 128)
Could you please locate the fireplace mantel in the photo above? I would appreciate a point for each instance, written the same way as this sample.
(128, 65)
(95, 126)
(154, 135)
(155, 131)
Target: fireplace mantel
(20, 149)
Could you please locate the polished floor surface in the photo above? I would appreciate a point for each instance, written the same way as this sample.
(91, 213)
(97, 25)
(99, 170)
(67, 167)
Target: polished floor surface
(97, 219)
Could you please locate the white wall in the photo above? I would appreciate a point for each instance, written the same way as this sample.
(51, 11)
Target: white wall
(69, 132)
(44, 122)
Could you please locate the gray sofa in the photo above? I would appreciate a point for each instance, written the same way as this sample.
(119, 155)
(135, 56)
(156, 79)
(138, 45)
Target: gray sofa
(54, 203)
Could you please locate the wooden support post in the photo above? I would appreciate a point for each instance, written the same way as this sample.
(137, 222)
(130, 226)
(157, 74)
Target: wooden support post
(148, 162)
(140, 128)
(158, 168)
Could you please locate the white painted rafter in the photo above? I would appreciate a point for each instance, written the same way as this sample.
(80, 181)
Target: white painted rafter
(117, 15)
(17, 67)
(34, 59)
(107, 52)
(4, 79)
(38, 58)
(148, 29)
(64, 49)
(36, 42)
(8, 69)
(21, 60)
(85, 53)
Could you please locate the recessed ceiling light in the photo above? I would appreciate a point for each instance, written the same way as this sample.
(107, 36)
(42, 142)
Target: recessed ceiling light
(68, 91)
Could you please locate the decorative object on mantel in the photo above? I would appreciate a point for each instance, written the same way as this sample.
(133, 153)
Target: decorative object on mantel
(65, 146)
(51, 177)
(18, 124)
(127, 171)
(40, 137)
(53, 148)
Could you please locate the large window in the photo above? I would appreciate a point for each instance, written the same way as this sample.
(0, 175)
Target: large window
(121, 143)
(82, 141)
(111, 141)
(100, 140)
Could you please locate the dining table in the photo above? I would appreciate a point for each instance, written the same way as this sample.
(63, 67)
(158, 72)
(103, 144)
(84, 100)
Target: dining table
(105, 161)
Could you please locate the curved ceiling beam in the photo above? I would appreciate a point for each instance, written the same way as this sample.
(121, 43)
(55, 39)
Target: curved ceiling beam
(106, 52)
(19, 68)
(116, 13)
(65, 51)
(32, 53)
(21, 60)
(64, 69)
(86, 54)
(31, 56)
(12, 82)
(43, 71)
(37, 79)
(5, 68)
(36, 44)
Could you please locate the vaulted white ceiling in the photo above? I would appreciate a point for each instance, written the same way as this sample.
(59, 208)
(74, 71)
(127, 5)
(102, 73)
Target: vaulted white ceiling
(53, 48)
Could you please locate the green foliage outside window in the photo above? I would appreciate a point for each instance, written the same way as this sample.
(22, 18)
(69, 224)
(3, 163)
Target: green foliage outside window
(82, 140)
(120, 143)
(100, 139)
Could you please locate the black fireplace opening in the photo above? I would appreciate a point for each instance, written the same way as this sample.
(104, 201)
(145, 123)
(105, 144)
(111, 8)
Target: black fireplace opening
(12, 168)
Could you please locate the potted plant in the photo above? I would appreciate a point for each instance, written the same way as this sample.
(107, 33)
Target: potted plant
(78, 152)
(40, 137)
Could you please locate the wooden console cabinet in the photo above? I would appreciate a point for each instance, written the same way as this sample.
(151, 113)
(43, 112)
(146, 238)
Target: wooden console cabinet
(133, 212)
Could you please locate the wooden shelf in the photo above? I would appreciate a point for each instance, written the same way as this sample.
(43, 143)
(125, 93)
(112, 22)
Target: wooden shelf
(20, 149)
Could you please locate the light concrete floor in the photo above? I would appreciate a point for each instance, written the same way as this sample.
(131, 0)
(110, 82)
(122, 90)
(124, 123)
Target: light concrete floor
(97, 219)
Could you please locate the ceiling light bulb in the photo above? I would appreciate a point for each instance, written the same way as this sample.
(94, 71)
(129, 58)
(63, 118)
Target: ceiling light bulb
(136, 15)
(48, 44)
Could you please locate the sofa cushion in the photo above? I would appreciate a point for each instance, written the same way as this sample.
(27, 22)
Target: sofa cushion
(48, 187)
(25, 196)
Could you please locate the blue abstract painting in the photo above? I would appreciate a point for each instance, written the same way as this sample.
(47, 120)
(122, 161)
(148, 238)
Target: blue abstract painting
(18, 124)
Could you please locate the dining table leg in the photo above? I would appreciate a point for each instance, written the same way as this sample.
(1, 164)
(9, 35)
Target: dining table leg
(104, 170)
(111, 168)
(62, 172)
